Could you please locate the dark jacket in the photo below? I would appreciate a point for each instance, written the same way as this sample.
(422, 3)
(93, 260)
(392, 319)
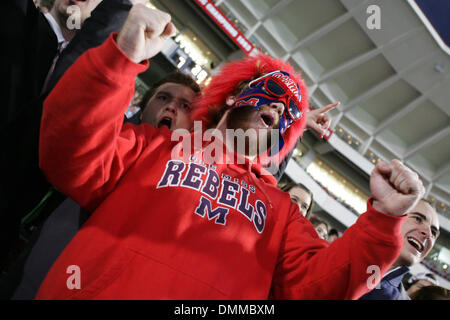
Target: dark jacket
(31, 47)
(390, 287)
(28, 48)
(282, 167)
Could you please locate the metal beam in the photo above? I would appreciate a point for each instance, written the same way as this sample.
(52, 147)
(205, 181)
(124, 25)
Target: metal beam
(275, 9)
(366, 145)
(349, 64)
(278, 7)
(399, 114)
(428, 189)
(267, 47)
(319, 33)
(396, 116)
(387, 82)
(443, 189)
(286, 57)
(312, 89)
(431, 139)
(442, 170)
(336, 120)
(253, 29)
(371, 92)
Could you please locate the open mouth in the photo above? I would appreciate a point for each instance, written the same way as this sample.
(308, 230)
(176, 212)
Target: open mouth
(267, 119)
(166, 121)
(416, 244)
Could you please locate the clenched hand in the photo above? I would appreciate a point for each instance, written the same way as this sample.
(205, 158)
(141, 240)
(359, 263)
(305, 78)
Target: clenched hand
(396, 189)
(144, 33)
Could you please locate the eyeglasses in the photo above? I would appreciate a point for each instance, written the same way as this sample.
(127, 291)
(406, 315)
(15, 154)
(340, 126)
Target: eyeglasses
(279, 84)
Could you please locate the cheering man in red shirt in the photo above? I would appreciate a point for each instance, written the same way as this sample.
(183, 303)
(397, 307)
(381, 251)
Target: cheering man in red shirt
(185, 227)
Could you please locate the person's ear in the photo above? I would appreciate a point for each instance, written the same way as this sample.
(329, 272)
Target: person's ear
(230, 101)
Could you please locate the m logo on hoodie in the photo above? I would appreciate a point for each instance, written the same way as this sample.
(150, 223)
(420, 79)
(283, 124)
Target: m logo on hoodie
(219, 194)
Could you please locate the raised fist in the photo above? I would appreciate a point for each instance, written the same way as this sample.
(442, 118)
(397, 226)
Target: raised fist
(395, 188)
(144, 33)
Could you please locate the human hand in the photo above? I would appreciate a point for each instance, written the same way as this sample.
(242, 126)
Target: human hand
(395, 188)
(317, 119)
(144, 33)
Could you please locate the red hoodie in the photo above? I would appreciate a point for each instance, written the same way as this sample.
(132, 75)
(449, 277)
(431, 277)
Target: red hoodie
(168, 229)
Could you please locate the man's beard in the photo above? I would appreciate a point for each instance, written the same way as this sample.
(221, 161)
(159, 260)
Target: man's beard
(239, 118)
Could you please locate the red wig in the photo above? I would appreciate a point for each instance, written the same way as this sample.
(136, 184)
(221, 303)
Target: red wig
(225, 83)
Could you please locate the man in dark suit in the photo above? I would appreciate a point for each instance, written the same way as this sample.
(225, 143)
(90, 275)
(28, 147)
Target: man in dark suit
(420, 232)
(32, 65)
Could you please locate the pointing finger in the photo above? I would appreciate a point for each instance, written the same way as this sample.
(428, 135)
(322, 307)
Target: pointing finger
(329, 107)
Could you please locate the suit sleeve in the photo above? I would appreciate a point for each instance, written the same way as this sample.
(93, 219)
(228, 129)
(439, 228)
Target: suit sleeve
(22, 5)
(84, 149)
(108, 17)
(311, 268)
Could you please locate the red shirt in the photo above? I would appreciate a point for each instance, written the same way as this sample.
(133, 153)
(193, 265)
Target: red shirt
(168, 229)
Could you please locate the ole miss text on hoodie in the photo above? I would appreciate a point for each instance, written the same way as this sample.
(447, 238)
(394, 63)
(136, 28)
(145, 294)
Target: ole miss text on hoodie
(162, 228)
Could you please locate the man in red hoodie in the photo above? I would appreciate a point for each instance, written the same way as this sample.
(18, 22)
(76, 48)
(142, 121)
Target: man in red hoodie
(182, 228)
